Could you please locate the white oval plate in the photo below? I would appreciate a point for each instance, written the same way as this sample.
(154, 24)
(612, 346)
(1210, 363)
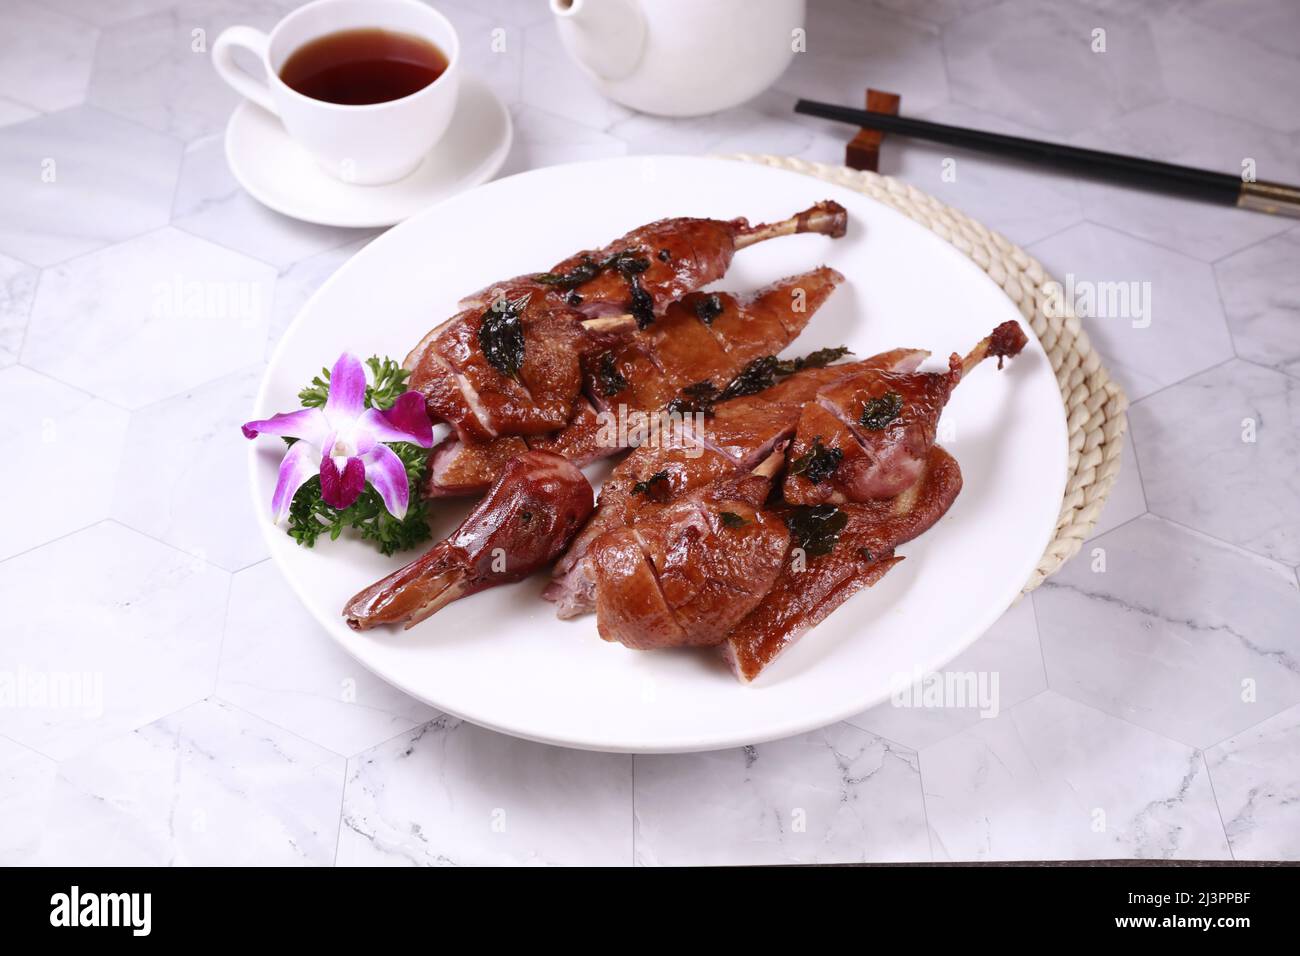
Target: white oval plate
(500, 658)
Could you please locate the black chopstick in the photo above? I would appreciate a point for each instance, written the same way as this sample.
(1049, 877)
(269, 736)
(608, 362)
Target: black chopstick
(1203, 184)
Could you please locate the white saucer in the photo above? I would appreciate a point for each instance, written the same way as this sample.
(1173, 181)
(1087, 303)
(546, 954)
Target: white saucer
(279, 173)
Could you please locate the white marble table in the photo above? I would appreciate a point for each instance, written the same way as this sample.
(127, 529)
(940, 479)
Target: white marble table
(1150, 710)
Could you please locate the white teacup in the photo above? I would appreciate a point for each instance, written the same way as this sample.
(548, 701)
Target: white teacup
(371, 144)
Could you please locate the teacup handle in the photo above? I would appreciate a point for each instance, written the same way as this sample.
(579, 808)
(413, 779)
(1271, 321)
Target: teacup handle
(246, 85)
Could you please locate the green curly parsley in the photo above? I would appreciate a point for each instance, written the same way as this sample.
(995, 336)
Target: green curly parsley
(389, 382)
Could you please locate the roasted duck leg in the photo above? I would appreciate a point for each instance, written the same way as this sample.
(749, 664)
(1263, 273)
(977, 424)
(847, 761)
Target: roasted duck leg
(508, 363)
(527, 519)
(869, 435)
(741, 433)
(841, 551)
(691, 572)
(687, 360)
(643, 272)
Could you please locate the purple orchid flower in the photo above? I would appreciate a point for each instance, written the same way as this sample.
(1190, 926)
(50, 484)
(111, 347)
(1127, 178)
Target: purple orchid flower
(344, 443)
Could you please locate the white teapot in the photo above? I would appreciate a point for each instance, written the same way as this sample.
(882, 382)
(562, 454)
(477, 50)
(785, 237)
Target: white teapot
(680, 57)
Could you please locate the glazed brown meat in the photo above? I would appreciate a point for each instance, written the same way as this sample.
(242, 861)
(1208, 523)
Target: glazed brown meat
(742, 433)
(704, 341)
(862, 553)
(651, 267)
(510, 369)
(869, 435)
(459, 469)
(508, 363)
(697, 349)
(527, 519)
(686, 575)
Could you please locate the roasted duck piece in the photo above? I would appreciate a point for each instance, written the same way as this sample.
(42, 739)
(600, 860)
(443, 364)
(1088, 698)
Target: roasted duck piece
(741, 433)
(507, 364)
(838, 563)
(869, 435)
(643, 272)
(704, 346)
(692, 571)
(527, 518)
(703, 342)
(510, 369)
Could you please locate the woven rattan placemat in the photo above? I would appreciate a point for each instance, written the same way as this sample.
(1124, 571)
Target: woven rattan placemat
(1094, 405)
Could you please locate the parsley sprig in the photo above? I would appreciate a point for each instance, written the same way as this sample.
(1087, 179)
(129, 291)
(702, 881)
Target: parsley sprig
(388, 382)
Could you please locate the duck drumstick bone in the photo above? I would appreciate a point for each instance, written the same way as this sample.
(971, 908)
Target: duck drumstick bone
(508, 363)
(826, 217)
(869, 435)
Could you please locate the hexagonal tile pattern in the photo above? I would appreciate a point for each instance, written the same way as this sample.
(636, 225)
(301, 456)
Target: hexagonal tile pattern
(451, 793)
(297, 283)
(847, 51)
(154, 69)
(45, 57)
(209, 203)
(825, 147)
(17, 289)
(1274, 24)
(208, 786)
(831, 796)
(1260, 287)
(1256, 778)
(159, 709)
(491, 43)
(547, 139)
(1002, 668)
(184, 459)
(1178, 133)
(1154, 314)
(11, 112)
(108, 630)
(80, 179)
(104, 14)
(1052, 779)
(148, 318)
(506, 12)
(1045, 203)
(937, 11)
(1219, 453)
(1034, 63)
(69, 446)
(1179, 633)
(26, 779)
(1126, 500)
(278, 663)
(1247, 81)
(764, 124)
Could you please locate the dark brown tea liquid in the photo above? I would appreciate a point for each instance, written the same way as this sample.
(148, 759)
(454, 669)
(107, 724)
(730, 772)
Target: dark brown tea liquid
(357, 67)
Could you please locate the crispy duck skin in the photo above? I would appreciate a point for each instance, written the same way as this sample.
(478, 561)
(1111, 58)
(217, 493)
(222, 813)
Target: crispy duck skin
(705, 338)
(647, 370)
(741, 434)
(463, 387)
(531, 387)
(680, 256)
(459, 469)
(692, 571)
(527, 519)
(805, 593)
(868, 435)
